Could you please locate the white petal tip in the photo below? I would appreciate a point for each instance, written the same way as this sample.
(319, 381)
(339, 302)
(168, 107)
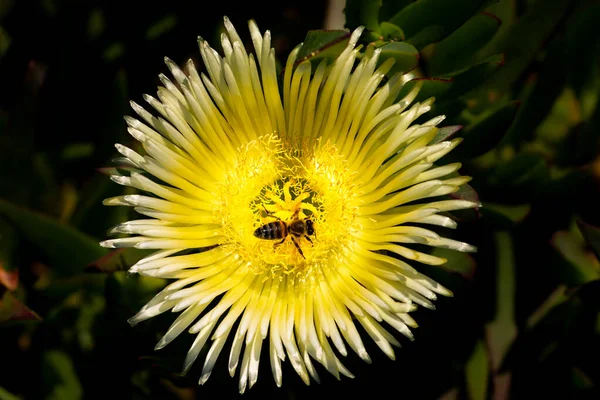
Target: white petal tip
(203, 379)
(364, 356)
(108, 244)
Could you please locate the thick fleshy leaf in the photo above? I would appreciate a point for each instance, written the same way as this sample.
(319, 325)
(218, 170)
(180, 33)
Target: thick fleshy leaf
(61, 379)
(501, 386)
(446, 133)
(465, 81)
(581, 381)
(161, 27)
(438, 17)
(505, 216)
(451, 394)
(477, 372)
(558, 296)
(524, 173)
(430, 87)
(457, 262)
(425, 36)
(9, 279)
(390, 32)
(580, 265)
(389, 8)
(67, 249)
(456, 51)
(591, 234)
(468, 193)
(465, 192)
(537, 101)
(582, 35)
(117, 260)
(587, 138)
(502, 331)
(363, 12)
(323, 44)
(405, 55)
(483, 135)
(12, 310)
(536, 26)
(5, 394)
(539, 343)
(448, 89)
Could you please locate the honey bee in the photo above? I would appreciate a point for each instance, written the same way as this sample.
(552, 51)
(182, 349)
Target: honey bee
(296, 229)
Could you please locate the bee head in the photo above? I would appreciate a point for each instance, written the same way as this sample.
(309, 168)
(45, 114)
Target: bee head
(310, 228)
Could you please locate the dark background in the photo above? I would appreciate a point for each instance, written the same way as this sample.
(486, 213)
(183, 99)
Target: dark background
(67, 72)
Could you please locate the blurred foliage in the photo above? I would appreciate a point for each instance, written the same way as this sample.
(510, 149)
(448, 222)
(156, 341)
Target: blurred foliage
(518, 80)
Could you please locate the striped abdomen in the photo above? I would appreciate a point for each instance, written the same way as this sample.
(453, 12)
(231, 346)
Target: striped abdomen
(272, 230)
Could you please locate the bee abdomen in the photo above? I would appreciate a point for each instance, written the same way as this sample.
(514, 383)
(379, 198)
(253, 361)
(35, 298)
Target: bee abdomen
(272, 230)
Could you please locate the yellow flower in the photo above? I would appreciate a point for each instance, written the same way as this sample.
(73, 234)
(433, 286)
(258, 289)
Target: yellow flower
(281, 211)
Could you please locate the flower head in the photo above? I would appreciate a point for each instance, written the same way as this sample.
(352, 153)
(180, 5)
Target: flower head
(282, 211)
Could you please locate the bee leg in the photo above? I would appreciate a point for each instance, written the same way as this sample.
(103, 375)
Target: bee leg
(270, 213)
(298, 247)
(278, 243)
(309, 239)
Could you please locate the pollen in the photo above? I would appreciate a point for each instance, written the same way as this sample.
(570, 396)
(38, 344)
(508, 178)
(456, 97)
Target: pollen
(328, 163)
(272, 184)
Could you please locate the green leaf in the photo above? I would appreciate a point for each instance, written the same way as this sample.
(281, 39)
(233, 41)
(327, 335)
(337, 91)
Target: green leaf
(6, 395)
(591, 234)
(362, 12)
(557, 297)
(448, 89)
(582, 35)
(466, 192)
(538, 100)
(483, 135)
(581, 381)
(467, 80)
(579, 267)
(9, 279)
(406, 56)
(161, 27)
(389, 8)
(505, 216)
(323, 44)
(457, 262)
(391, 32)
(75, 151)
(445, 133)
(502, 331)
(587, 138)
(12, 310)
(439, 18)
(522, 41)
(524, 174)
(117, 260)
(60, 378)
(430, 87)
(477, 372)
(67, 249)
(536, 345)
(426, 36)
(457, 50)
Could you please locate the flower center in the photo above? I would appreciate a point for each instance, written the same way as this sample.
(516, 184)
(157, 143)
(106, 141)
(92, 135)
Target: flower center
(285, 209)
